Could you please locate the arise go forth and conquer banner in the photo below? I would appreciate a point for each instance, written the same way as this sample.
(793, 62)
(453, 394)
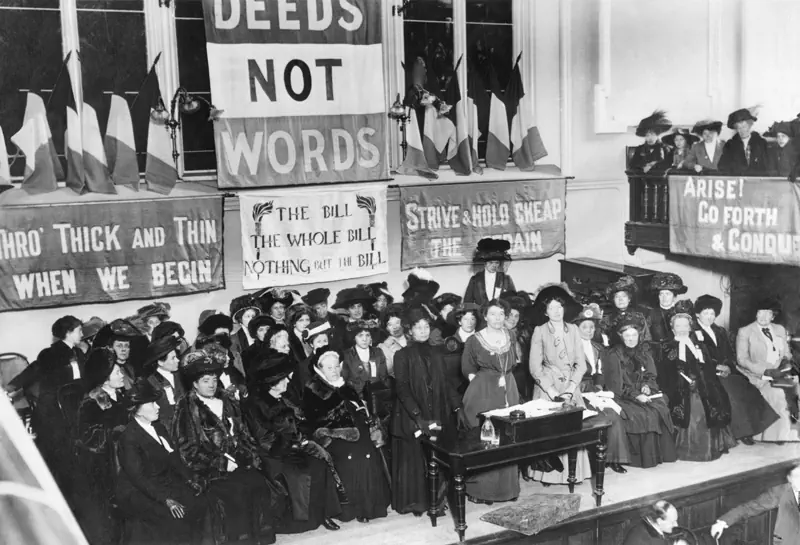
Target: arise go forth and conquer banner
(301, 88)
(740, 219)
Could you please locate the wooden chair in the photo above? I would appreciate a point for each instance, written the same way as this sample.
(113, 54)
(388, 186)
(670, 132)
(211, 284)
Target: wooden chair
(12, 365)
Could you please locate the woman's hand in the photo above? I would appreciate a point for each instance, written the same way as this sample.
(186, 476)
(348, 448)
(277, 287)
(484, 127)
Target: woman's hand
(723, 371)
(177, 510)
(641, 398)
(646, 390)
(698, 169)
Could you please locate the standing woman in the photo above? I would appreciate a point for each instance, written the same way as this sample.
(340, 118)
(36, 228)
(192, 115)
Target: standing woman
(622, 294)
(667, 286)
(102, 416)
(465, 319)
(492, 255)
(516, 324)
(489, 358)
(704, 156)
(129, 346)
(363, 363)
(424, 396)
(298, 318)
(396, 339)
(557, 364)
(750, 413)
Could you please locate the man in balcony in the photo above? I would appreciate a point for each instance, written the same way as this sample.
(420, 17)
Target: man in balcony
(746, 153)
(704, 156)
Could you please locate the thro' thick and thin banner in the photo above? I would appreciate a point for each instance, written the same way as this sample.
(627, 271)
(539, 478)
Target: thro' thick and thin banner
(302, 236)
(104, 251)
(442, 224)
(300, 86)
(739, 219)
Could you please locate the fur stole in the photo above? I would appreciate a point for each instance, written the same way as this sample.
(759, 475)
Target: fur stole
(101, 397)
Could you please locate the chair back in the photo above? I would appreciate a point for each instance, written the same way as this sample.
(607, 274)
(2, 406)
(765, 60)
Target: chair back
(69, 398)
(12, 365)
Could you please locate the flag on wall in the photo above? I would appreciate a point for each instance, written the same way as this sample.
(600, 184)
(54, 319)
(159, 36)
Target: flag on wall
(476, 91)
(120, 145)
(526, 142)
(94, 155)
(459, 156)
(64, 112)
(42, 166)
(5, 169)
(415, 164)
(498, 146)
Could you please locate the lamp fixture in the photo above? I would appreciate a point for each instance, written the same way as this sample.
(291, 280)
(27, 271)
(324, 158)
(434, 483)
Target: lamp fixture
(399, 113)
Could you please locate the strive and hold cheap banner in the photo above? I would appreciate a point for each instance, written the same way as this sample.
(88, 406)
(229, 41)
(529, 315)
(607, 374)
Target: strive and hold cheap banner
(300, 86)
(105, 251)
(739, 219)
(442, 224)
(301, 236)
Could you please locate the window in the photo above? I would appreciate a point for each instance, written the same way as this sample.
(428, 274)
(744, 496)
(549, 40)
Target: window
(428, 29)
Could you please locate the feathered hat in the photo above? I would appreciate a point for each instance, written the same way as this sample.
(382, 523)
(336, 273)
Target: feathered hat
(630, 320)
(444, 299)
(743, 114)
(707, 124)
(656, 122)
(492, 249)
(784, 127)
(380, 288)
(592, 312)
(241, 304)
(157, 308)
(668, 281)
(689, 137)
(623, 283)
(350, 296)
(421, 286)
(683, 307)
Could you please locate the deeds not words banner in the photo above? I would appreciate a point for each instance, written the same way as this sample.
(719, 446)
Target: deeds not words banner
(301, 88)
(740, 219)
(103, 251)
(442, 224)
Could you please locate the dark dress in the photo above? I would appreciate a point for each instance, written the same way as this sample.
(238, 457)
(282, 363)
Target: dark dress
(700, 410)
(424, 392)
(453, 349)
(645, 153)
(750, 412)
(169, 397)
(781, 161)
(734, 161)
(356, 372)
(290, 458)
(358, 462)
(149, 475)
(660, 332)
(100, 420)
(245, 499)
(522, 373)
(611, 317)
(648, 425)
(476, 288)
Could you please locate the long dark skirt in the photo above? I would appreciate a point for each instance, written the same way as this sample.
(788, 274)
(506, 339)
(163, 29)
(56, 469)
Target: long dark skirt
(649, 428)
(322, 501)
(245, 498)
(750, 412)
(99, 522)
(149, 521)
(699, 443)
(409, 475)
(360, 467)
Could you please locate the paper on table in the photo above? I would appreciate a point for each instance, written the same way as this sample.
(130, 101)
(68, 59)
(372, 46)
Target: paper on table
(537, 407)
(588, 413)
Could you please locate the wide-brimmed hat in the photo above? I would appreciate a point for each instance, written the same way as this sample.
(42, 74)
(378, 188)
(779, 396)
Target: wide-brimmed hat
(623, 283)
(315, 329)
(784, 127)
(158, 309)
(158, 348)
(316, 296)
(351, 296)
(743, 114)
(272, 366)
(211, 320)
(668, 281)
(92, 327)
(444, 299)
(143, 392)
(119, 329)
(492, 249)
(689, 137)
(168, 329)
(768, 303)
(198, 363)
(707, 124)
(708, 301)
(241, 304)
(454, 318)
(592, 312)
(98, 367)
(630, 319)
(548, 292)
(269, 297)
(421, 286)
(380, 288)
(656, 122)
(259, 321)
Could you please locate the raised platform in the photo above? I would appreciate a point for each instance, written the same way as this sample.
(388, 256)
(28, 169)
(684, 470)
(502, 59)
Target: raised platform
(701, 491)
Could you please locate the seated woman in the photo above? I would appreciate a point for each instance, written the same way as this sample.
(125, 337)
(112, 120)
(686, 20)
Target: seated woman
(698, 403)
(129, 345)
(631, 375)
(622, 294)
(230, 380)
(660, 527)
(259, 328)
(243, 309)
(465, 319)
(396, 335)
(341, 423)
(305, 468)
(593, 381)
(102, 416)
(557, 364)
(362, 363)
(162, 361)
(424, 397)
(298, 318)
(160, 498)
(750, 413)
(317, 339)
(215, 444)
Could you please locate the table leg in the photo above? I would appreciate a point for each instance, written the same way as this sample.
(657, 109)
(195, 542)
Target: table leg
(599, 478)
(461, 505)
(572, 463)
(433, 490)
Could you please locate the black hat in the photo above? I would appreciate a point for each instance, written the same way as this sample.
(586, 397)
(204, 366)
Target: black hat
(242, 303)
(623, 283)
(516, 302)
(592, 312)
(630, 319)
(92, 327)
(784, 127)
(769, 303)
(350, 296)
(119, 329)
(707, 124)
(98, 367)
(158, 348)
(444, 299)
(454, 318)
(143, 392)
(684, 306)
(656, 122)
(668, 281)
(708, 301)
(168, 329)
(414, 315)
(492, 249)
(421, 286)
(316, 296)
(689, 137)
(380, 288)
(158, 309)
(317, 327)
(211, 320)
(198, 363)
(272, 366)
(744, 114)
(548, 292)
(271, 296)
(258, 322)
(274, 330)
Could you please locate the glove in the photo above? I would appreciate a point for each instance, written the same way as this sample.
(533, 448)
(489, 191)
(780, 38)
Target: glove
(463, 422)
(422, 426)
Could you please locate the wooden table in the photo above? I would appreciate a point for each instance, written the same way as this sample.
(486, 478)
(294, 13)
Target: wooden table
(467, 454)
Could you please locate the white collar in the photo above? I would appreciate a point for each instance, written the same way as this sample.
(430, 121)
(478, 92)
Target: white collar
(463, 335)
(112, 393)
(167, 375)
(338, 384)
(362, 352)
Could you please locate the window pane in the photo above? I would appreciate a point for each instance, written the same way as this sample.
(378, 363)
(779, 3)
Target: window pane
(489, 43)
(113, 54)
(30, 46)
(198, 132)
(428, 33)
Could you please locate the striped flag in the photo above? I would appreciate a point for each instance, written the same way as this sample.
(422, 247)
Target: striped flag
(120, 145)
(459, 157)
(64, 112)
(476, 92)
(498, 146)
(34, 140)
(94, 155)
(526, 142)
(5, 169)
(415, 164)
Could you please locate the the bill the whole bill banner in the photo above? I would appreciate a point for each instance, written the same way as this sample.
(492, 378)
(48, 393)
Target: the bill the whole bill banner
(442, 224)
(740, 219)
(104, 251)
(301, 236)
(300, 90)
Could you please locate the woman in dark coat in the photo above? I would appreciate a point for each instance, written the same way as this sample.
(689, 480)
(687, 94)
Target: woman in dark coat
(667, 287)
(465, 320)
(631, 375)
(162, 361)
(424, 397)
(523, 332)
(304, 467)
(160, 497)
(243, 309)
(356, 301)
(782, 155)
(445, 304)
(363, 362)
(102, 417)
(750, 413)
(230, 380)
(259, 329)
(298, 319)
(492, 256)
(622, 295)
(738, 160)
(698, 403)
(341, 423)
(652, 156)
(215, 444)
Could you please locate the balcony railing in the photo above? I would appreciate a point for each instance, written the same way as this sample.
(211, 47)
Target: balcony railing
(648, 223)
